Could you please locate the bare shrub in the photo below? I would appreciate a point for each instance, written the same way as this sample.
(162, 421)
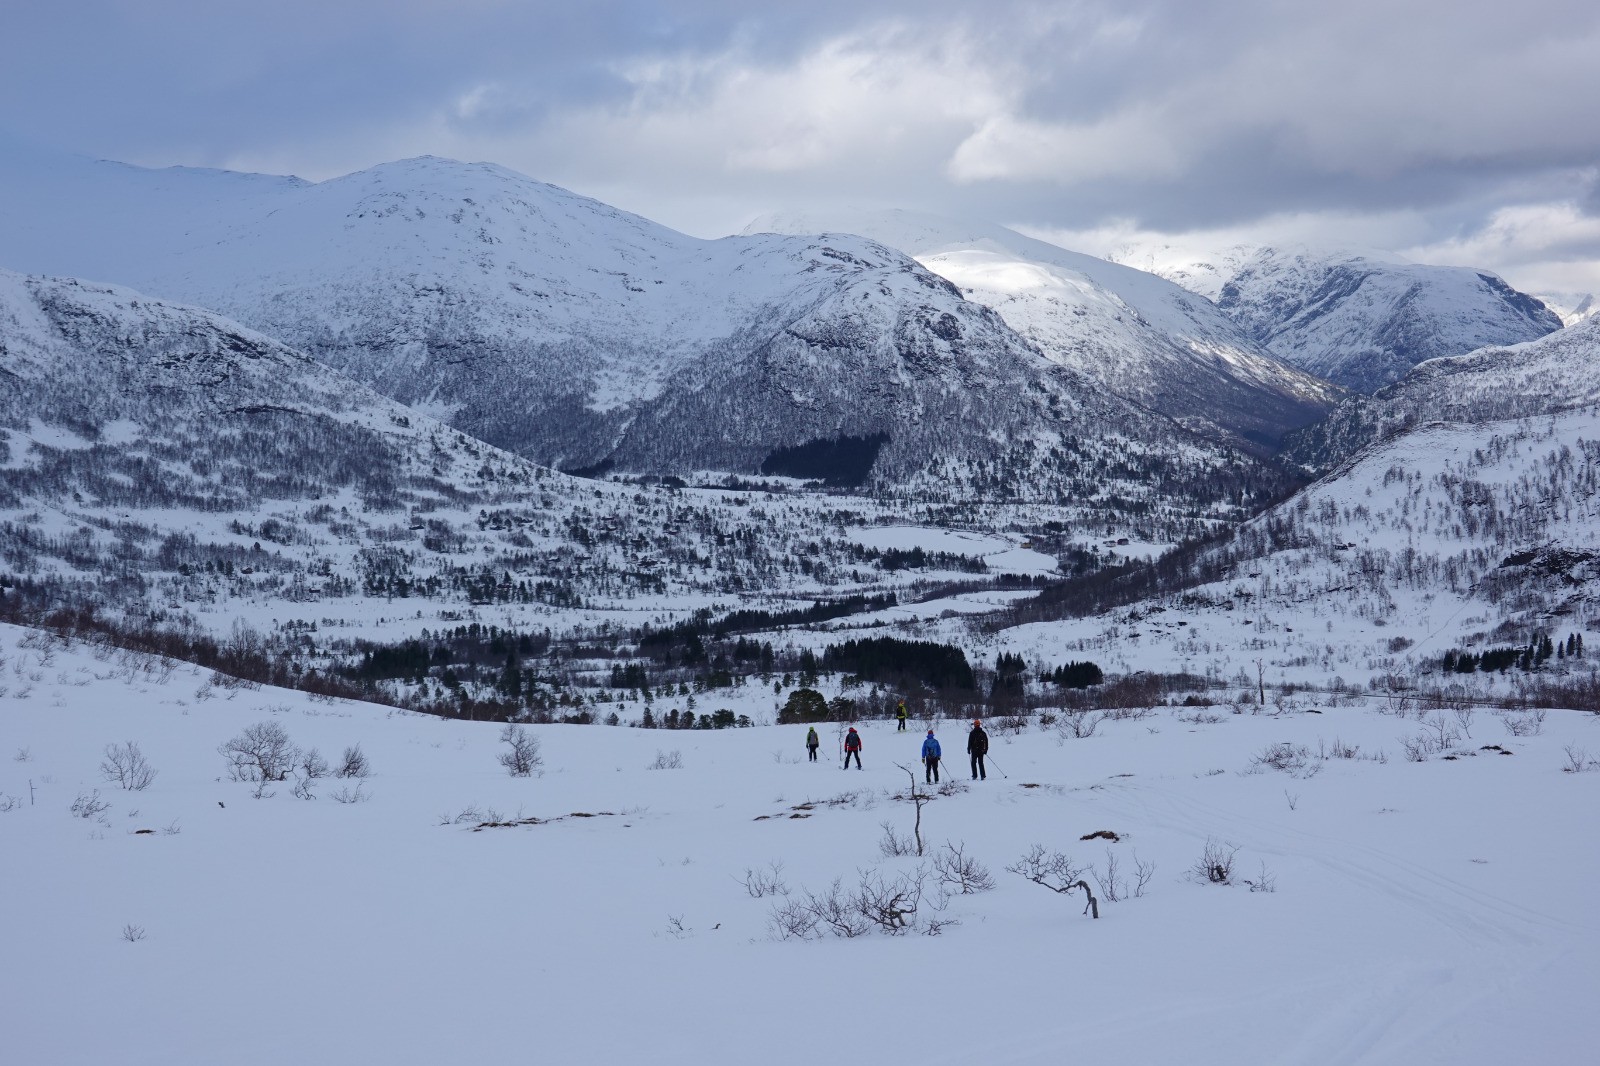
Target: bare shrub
(1215, 864)
(262, 753)
(9, 802)
(23, 755)
(1523, 723)
(311, 765)
(960, 872)
(349, 795)
(523, 760)
(889, 904)
(667, 760)
(1142, 873)
(89, 805)
(1283, 756)
(1464, 715)
(126, 765)
(1055, 871)
(1442, 734)
(837, 912)
(1078, 724)
(1266, 881)
(767, 882)
(1340, 750)
(1113, 887)
(893, 845)
(1416, 748)
(793, 919)
(353, 763)
(1578, 760)
(133, 933)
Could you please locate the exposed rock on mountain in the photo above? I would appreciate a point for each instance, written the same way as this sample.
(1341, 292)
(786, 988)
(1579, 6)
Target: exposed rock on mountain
(1145, 338)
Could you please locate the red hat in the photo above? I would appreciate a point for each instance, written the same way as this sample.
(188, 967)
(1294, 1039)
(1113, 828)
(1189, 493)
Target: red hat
(930, 732)
(976, 722)
(852, 729)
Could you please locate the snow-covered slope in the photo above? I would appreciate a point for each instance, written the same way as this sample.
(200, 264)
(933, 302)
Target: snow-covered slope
(1144, 337)
(1380, 913)
(1359, 320)
(582, 336)
(1557, 372)
(161, 460)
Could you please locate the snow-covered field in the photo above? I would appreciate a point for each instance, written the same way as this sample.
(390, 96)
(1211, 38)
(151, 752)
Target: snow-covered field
(1423, 912)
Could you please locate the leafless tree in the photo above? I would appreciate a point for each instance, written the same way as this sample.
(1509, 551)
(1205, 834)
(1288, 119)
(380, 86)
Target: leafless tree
(1055, 871)
(523, 760)
(353, 763)
(1215, 865)
(960, 871)
(262, 753)
(126, 765)
(89, 804)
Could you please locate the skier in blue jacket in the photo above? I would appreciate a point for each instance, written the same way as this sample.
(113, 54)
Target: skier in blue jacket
(930, 757)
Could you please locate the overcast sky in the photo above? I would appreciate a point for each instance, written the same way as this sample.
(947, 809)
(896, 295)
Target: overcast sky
(1454, 131)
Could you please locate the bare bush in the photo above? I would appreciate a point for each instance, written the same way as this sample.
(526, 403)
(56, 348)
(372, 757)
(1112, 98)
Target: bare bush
(89, 805)
(1523, 723)
(1578, 760)
(836, 911)
(1283, 756)
(1265, 881)
(767, 882)
(893, 845)
(1142, 874)
(349, 795)
(353, 763)
(1055, 871)
(1464, 715)
(311, 765)
(959, 871)
(1215, 864)
(262, 753)
(1113, 887)
(9, 802)
(303, 789)
(1078, 724)
(126, 765)
(1340, 750)
(889, 904)
(667, 760)
(133, 933)
(523, 760)
(23, 755)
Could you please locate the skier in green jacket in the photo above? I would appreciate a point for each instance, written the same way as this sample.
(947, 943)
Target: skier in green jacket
(813, 742)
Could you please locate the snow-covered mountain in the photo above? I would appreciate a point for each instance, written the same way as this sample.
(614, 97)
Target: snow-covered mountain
(1570, 307)
(1557, 372)
(585, 337)
(1357, 319)
(1469, 518)
(163, 460)
(1142, 336)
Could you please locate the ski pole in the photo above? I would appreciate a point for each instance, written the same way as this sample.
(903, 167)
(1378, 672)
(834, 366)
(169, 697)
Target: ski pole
(996, 766)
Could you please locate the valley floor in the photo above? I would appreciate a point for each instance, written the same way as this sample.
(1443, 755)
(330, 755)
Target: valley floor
(1432, 912)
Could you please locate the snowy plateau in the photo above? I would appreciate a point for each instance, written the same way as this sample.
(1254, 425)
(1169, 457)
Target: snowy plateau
(416, 589)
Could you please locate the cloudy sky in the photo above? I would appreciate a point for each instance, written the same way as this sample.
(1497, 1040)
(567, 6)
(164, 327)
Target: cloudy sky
(1454, 131)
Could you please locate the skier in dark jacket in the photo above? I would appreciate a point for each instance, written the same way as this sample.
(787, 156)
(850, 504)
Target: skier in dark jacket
(978, 747)
(930, 757)
(813, 742)
(900, 716)
(852, 746)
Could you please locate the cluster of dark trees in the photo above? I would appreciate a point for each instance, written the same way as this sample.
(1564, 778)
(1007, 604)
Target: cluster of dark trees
(1498, 660)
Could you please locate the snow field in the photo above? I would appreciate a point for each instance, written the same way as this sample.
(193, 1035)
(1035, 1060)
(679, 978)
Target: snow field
(1433, 912)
